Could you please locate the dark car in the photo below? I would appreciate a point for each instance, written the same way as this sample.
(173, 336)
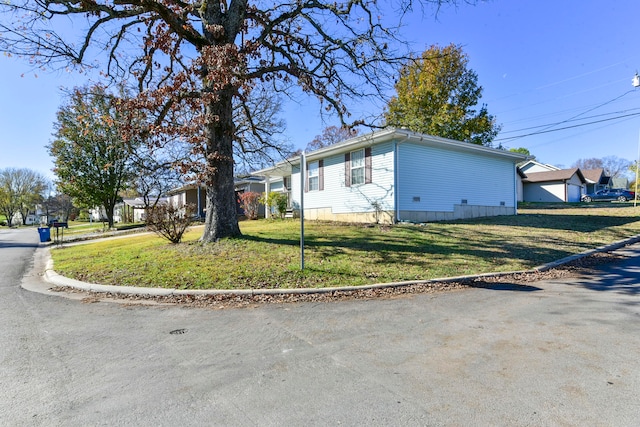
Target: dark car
(609, 195)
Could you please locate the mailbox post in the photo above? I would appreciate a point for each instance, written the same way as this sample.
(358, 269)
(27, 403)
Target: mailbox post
(60, 225)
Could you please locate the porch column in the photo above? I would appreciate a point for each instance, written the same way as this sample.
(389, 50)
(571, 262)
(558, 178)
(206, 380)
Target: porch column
(267, 190)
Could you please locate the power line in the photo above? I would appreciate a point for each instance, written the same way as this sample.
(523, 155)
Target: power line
(549, 114)
(548, 128)
(540, 144)
(565, 128)
(569, 120)
(587, 111)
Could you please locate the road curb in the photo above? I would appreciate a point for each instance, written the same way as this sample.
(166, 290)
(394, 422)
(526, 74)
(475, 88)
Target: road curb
(52, 277)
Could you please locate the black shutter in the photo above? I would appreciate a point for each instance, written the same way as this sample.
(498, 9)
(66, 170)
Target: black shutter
(367, 165)
(347, 169)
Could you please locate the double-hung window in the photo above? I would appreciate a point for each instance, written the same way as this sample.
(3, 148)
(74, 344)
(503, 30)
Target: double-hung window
(314, 176)
(357, 167)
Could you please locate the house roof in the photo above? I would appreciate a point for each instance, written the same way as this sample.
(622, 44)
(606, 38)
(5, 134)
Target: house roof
(595, 176)
(531, 163)
(401, 135)
(183, 189)
(138, 203)
(559, 175)
(236, 181)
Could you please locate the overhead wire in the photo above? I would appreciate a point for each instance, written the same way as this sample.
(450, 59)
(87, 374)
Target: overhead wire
(570, 120)
(550, 127)
(580, 133)
(564, 128)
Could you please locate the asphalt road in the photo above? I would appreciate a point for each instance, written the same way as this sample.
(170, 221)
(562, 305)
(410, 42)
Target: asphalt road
(555, 353)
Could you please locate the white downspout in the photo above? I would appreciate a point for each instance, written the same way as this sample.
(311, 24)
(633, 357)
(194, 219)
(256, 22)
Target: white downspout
(516, 187)
(395, 182)
(396, 179)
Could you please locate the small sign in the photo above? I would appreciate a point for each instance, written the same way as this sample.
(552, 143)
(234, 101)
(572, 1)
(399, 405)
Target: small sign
(61, 224)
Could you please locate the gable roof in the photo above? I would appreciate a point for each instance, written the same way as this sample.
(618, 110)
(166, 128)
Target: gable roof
(389, 134)
(559, 175)
(595, 176)
(532, 163)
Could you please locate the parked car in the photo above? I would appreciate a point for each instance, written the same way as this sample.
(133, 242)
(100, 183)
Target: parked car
(609, 195)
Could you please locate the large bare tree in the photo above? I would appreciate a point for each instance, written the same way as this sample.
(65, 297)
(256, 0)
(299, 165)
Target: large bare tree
(198, 59)
(613, 166)
(331, 135)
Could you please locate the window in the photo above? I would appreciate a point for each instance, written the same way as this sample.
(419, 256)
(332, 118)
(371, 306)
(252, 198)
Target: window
(357, 167)
(314, 176)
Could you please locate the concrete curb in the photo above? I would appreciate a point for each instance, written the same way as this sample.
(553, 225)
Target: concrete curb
(56, 279)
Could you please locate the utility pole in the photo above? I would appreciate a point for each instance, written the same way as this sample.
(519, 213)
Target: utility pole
(636, 82)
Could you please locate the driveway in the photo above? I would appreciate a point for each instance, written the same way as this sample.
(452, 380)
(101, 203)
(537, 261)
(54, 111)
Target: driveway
(561, 352)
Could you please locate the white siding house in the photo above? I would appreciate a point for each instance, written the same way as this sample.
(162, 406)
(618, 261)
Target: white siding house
(531, 166)
(397, 175)
(564, 185)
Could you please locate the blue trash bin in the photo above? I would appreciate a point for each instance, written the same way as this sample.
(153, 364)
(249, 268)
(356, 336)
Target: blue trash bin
(45, 234)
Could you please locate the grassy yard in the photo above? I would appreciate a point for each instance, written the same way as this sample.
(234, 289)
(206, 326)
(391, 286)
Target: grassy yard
(82, 228)
(268, 255)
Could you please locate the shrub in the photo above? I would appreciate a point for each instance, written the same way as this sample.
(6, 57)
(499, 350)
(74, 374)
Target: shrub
(170, 221)
(278, 201)
(250, 202)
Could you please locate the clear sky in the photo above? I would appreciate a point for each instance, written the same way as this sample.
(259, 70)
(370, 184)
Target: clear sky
(543, 62)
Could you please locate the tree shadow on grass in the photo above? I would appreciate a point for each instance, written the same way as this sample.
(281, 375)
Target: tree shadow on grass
(580, 223)
(387, 249)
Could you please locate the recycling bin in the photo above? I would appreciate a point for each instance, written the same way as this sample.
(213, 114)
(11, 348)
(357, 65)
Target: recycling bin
(45, 234)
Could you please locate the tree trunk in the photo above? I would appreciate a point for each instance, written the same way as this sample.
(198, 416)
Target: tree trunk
(108, 210)
(24, 214)
(221, 219)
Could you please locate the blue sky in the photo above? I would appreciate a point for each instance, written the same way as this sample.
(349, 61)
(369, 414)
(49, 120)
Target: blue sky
(540, 62)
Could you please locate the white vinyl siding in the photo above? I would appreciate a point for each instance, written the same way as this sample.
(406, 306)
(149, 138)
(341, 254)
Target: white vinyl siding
(554, 191)
(425, 177)
(343, 199)
(436, 179)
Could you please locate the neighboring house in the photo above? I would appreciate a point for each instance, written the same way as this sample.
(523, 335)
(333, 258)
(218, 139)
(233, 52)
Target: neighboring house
(619, 182)
(397, 175)
(98, 214)
(595, 180)
(37, 216)
(564, 185)
(197, 195)
(133, 209)
(193, 194)
(250, 184)
(532, 166)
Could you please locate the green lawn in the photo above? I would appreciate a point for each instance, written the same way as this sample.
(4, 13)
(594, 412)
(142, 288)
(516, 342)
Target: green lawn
(268, 255)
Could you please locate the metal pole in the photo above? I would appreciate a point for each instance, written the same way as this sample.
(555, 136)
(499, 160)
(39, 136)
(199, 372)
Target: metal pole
(303, 167)
(636, 83)
(635, 199)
